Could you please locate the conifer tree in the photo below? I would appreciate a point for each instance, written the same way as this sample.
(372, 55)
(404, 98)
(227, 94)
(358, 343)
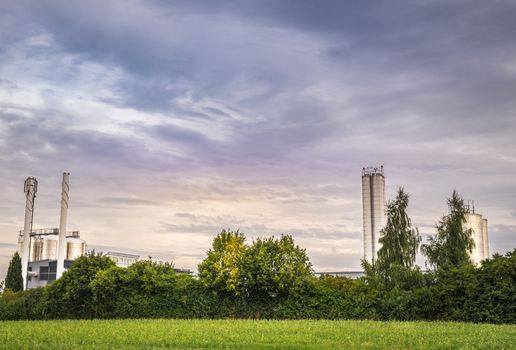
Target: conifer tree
(14, 279)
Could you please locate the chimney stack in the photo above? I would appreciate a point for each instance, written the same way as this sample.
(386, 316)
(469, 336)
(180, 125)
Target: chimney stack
(30, 188)
(61, 250)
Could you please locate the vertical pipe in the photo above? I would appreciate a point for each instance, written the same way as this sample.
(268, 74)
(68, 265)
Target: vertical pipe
(61, 250)
(30, 188)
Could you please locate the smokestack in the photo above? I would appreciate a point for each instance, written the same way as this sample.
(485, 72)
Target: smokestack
(30, 188)
(61, 250)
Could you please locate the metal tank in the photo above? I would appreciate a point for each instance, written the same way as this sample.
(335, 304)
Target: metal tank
(474, 222)
(485, 238)
(50, 247)
(76, 247)
(36, 248)
(373, 209)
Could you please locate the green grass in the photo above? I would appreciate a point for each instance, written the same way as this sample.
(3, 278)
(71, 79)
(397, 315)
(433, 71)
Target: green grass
(249, 334)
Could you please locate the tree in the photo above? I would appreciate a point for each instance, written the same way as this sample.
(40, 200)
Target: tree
(271, 267)
(14, 279)
(452, 243)
(71, 296)
(400, 242)
(220, 271)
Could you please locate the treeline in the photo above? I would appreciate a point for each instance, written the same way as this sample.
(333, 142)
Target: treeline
(273, 278)
(94, 288)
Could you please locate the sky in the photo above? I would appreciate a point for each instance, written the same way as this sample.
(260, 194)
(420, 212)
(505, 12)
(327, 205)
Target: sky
(177, 119)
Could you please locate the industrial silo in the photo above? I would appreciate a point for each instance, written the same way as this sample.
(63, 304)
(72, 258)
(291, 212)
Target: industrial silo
(50, 247)
(37, 248)
(373, 209)
(485, 239)
(76, 247)
(474, 222)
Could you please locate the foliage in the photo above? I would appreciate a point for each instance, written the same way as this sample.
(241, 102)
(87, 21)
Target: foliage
(452, 243)
(71, 295)
(220, 271)
(144, 289)
(399, 241)
(276, 283)
(14, 278)
(271, 267)
(22, 305)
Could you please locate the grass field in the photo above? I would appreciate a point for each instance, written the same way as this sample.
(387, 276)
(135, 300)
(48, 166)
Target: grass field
(248, 334)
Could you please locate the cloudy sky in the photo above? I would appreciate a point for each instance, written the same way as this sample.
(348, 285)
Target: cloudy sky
(179, 118)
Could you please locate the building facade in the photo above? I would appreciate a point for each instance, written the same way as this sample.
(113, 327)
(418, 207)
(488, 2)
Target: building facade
(122, 259)
(373, 209)
(42, 252)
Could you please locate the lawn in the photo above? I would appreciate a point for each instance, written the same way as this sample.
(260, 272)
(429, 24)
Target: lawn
(249, 334)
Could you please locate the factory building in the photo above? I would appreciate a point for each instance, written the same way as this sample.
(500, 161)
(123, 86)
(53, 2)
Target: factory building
(478, 226)
(122, 259)
(43, 246)
(47, 253)
(373, 209)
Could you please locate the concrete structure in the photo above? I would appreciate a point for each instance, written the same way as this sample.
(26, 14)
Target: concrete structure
(43, 262)
(44, 249)
(62, 246)
(478, 225)
(349, 274)
(122, 259)
(373, 208)
(30, 188)
(43, 272)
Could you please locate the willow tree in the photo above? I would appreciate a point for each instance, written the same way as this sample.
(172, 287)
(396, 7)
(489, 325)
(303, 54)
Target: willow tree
(453, 242)
(400, 242)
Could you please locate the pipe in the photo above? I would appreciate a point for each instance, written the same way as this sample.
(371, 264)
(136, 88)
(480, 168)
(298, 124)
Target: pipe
(30, 188)
(61, 250)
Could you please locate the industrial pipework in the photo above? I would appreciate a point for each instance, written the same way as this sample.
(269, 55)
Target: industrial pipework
(61, 250)
(30, 188)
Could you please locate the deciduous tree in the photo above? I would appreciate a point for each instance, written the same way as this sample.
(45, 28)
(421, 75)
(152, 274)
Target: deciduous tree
(400, 242)
(220, 271)
(453, 242)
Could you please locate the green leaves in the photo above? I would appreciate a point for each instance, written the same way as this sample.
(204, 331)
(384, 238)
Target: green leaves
(266, 269)
(272, 266)
(14, 279)
(220, 271)
(400, 242)
(452, 243)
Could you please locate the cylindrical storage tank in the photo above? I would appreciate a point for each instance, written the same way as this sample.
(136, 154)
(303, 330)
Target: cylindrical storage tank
(37, 248)
(50, 247)
(76, 247)
(485, 238)
(20, 244)
(474, 222)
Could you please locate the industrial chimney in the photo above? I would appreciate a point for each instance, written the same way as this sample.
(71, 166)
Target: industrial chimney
(30, 188)
(61, 250)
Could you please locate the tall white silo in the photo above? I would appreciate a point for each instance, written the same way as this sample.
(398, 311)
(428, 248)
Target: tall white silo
(485, 238)
(474, 222)
(373, 209)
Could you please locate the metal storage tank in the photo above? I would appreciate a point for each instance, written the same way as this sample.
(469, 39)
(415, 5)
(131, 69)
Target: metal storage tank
(474, 222)
(76, 247)
(485, 238)
(50, 247)
(20, 243)
(373, 208)
(37, 248)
